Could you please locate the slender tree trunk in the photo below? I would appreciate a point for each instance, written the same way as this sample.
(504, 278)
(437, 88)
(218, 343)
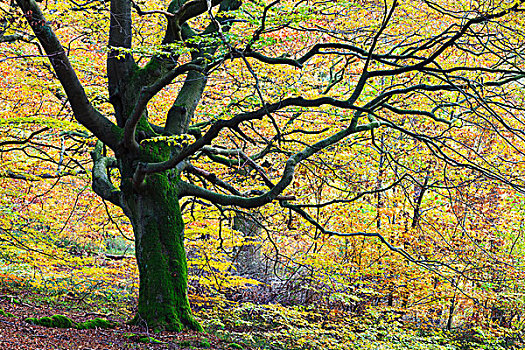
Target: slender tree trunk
(159, 239)
(418, 199)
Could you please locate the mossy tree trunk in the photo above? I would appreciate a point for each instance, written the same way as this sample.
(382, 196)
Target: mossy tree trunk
(159, 239)
(152, 205)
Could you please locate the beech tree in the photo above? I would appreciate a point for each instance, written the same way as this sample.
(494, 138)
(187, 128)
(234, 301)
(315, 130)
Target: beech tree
(423, 83)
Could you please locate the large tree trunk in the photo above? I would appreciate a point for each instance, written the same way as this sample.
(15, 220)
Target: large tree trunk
(159, 239)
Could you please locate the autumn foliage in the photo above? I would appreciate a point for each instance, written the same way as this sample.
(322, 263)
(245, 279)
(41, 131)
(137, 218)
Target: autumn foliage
(413, 224)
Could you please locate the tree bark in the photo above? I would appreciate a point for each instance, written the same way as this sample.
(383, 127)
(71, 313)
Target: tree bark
(159, 240)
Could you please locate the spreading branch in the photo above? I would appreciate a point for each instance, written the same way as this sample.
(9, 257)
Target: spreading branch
(83, 110)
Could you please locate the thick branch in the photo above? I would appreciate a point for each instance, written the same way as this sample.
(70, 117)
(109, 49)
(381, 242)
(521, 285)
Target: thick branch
(218, 126)
(101, 183)
(15, 37)
(34, 177)
(182, 11)
(211, 177)
(356, 197)
(120, 63)
(312, 221)
(244, 157)
(416, 112)
(260, 30)
(193, 8)
(142, 12)
(180, 114)
(146, 94)
(287, 177)
(447, 44)
(26, 140)
(83, 110)
(268, 60)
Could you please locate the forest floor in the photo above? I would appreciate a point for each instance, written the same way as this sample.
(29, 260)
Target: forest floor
(234, 326)
(16, 334)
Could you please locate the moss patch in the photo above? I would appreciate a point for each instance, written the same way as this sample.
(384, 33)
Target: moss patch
(96, 323)
(204, 343)
(56, 321)
(149, 340)
(60, 321)
(141, 339)
(6, 314)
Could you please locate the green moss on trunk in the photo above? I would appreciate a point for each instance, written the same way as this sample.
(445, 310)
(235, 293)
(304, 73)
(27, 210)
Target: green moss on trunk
(161, 258)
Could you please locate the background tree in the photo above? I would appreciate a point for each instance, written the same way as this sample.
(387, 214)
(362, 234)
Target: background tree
(292, 114)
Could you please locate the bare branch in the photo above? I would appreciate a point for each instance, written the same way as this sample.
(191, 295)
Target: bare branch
(150, 12)
(211, 177)
(245, 157)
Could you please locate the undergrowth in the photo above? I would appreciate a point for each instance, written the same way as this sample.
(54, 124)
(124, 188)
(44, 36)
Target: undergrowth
(245, 325)
(275, 327)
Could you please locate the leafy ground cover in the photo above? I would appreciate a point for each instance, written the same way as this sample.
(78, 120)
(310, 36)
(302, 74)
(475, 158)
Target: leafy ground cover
(232, 325)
